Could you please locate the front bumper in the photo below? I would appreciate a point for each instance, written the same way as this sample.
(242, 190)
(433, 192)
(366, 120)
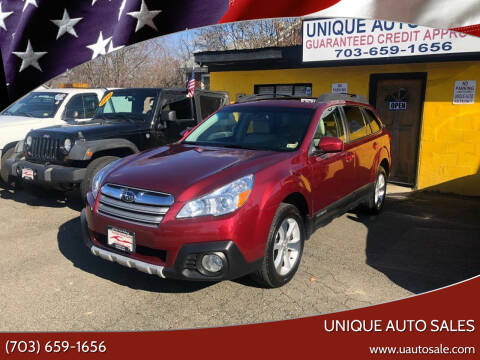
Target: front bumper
(186, 265)
(47, 174)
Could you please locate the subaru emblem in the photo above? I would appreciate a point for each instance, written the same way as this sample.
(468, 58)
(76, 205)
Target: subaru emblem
(128, 196)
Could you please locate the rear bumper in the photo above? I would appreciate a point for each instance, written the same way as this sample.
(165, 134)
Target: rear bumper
(46, 174)
(187, 263)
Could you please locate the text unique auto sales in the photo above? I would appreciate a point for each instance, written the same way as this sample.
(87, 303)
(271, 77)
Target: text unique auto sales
(399, 325)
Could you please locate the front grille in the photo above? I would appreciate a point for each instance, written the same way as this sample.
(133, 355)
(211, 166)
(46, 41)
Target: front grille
(44, 149)
(146, 208)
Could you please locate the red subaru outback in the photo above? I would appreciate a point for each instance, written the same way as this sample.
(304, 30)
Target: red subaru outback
(241, 192)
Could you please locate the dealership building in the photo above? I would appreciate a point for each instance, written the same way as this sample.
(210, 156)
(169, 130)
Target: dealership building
(422, 81)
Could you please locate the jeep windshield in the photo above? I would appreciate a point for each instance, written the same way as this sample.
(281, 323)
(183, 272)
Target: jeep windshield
(36, 104)
(127, 105)
(254, 127)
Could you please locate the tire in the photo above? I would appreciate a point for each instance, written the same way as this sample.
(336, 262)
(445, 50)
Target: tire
(3, 170)
(92, 169)
(377, 197)
(274, 271)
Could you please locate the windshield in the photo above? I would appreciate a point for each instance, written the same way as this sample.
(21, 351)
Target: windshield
(127, 104)
(36, 104)
(255, 127)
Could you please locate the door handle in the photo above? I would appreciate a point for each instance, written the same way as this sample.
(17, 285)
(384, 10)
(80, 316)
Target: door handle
(349, 157)
(375, 145)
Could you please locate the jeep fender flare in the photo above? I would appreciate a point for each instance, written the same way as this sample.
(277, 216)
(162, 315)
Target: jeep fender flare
(84, 150)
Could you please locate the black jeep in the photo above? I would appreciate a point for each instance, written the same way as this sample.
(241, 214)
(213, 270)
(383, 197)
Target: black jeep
(127, 121)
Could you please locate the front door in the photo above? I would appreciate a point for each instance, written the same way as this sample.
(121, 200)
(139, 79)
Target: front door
(399, 99)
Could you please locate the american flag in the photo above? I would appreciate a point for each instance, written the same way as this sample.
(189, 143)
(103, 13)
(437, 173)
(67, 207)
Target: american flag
(191, 85)
(40, 39)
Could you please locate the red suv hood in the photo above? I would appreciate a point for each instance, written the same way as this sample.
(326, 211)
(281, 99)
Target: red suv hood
(175, 168)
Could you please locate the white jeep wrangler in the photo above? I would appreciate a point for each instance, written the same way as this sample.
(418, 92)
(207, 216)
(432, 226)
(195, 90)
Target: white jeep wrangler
(42, 108)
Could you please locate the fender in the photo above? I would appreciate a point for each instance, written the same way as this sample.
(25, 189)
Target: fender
(84, 150)
(383, 153)
(271, 199)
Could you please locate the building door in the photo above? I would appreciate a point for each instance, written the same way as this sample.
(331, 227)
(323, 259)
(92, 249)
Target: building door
(399, 100)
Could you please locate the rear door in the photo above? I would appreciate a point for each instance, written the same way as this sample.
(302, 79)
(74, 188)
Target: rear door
(207, 102)
(360, 144)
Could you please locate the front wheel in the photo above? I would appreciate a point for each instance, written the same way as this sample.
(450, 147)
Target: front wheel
(284, 248)
(92, 169)
(3, 168)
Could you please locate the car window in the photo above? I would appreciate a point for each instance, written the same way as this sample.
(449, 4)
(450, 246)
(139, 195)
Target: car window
(127, 105)
(178, 102)
(356, 123)
(254, 127)
(209, 104)
(74, 109)
(90, 103)
(372, 120)
(36, 104)
(330, 124)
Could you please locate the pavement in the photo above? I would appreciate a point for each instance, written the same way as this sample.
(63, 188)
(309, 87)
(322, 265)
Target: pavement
(50, 282)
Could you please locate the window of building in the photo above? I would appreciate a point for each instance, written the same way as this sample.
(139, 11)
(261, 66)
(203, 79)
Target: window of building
(284, 89)
(356, 123)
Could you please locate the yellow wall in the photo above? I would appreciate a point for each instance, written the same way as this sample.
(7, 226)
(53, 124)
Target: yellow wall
(449, 159)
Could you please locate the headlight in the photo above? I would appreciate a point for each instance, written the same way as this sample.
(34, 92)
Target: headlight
(67, 145)
(29, 141)
(221, 201)
(100, 176)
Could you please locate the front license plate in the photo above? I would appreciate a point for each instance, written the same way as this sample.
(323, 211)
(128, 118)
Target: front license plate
(121, 239)
(27, 174)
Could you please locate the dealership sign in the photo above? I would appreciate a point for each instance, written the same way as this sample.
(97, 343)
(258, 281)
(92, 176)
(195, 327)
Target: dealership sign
(350, 39)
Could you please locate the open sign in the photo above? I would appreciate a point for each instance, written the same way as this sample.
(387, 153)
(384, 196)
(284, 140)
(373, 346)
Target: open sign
(398, 105)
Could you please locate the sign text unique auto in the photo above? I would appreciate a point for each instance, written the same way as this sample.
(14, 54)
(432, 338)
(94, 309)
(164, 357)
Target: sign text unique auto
(350, 39)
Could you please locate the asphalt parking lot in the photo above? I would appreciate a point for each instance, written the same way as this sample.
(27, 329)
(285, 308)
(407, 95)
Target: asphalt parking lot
(50, 281)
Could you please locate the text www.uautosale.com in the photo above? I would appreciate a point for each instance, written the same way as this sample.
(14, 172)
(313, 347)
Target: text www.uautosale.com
(427, 350)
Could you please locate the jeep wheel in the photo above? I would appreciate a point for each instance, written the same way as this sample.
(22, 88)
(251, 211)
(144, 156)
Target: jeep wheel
(92, 169)
(3, 170)
(284, 248)
(377, 198)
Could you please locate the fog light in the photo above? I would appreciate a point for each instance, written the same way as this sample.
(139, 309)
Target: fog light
(213, 263)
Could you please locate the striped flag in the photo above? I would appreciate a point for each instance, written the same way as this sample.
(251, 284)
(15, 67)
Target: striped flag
(191, 85)
(40, 39)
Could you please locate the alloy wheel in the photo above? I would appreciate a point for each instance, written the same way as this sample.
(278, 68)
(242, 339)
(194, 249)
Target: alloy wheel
(286, 247)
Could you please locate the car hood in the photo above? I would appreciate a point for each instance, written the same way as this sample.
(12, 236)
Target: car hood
(91, 130)
(176, 168)
(15, 121)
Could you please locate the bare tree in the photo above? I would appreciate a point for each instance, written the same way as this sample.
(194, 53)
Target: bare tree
(163, 62)
(249, 35)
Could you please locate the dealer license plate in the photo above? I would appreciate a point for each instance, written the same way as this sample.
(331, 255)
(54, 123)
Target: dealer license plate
(27, 174)
(121, 239)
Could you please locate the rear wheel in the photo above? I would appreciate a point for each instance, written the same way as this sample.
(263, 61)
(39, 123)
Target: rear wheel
(92, 169)
(3, 169)
(284, 248)
(377, 198)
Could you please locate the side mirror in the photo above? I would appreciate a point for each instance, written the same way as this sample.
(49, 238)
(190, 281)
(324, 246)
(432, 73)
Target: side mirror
(185, 132)
(169, 116)
(329, 144)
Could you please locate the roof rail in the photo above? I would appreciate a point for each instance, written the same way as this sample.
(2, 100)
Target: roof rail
(272, 96)
(343, 96)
